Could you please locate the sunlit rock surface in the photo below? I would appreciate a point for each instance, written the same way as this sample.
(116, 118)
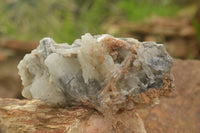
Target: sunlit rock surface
(100, 72)
(34, 116)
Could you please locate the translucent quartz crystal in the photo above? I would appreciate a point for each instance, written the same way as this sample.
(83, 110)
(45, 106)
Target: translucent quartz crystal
(100, 72)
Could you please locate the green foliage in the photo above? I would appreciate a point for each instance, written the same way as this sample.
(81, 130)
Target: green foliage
(32, 19)
(6, 26)
(65, 20)
(135, 10)
(197, 28)
(88, 17)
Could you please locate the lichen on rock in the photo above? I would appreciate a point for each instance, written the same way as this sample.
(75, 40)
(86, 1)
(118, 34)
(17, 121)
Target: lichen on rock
(100, 72)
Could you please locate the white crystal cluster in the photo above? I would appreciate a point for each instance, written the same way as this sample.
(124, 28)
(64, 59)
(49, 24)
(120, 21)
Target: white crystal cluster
(96, 71)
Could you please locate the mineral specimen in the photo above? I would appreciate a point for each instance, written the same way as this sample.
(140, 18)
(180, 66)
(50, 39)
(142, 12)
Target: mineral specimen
(100, 72)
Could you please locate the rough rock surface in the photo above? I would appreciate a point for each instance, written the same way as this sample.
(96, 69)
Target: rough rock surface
(177, 113)
(30, 116)
(101, 72)
(180, 112)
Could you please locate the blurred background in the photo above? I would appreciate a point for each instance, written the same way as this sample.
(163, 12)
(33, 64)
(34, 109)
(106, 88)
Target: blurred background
(175, 23)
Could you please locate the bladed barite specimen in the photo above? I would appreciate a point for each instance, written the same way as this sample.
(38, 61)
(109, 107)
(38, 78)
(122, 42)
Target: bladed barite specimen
(100, 72)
